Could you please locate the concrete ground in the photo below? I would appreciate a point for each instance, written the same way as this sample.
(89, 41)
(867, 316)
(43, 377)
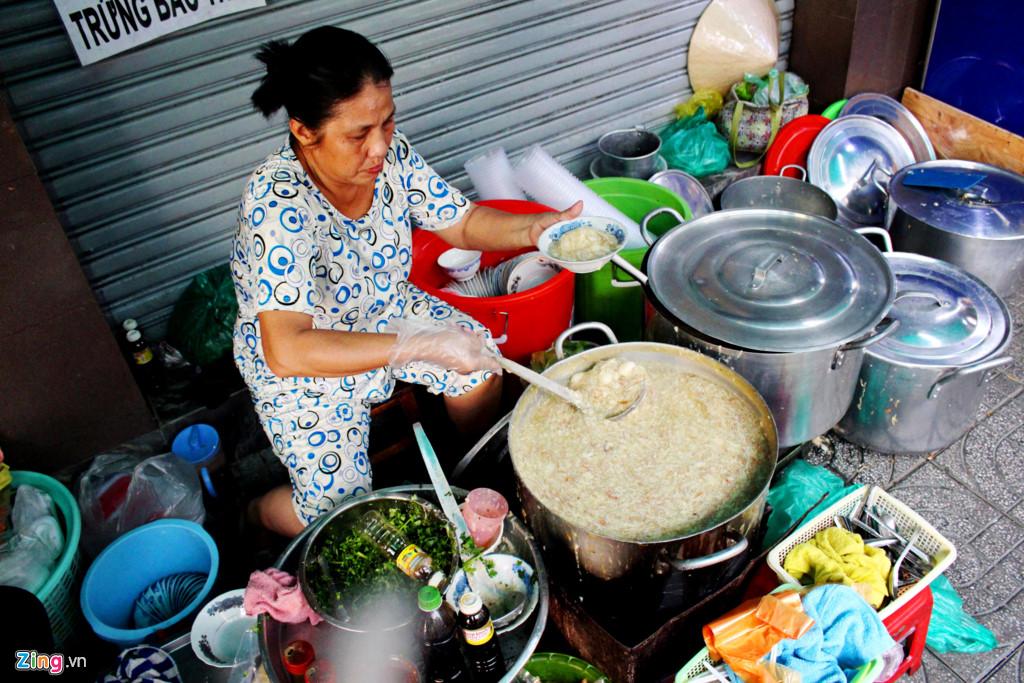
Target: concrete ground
(973, 493)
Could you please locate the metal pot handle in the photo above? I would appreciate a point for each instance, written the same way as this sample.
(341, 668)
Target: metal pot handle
(469, 457)
(560, 341)
(649, 236)
(877, 335)
(973, 368)
(638, 276)
(803, 171)
(735, 550)
(881, 232)
(875, 168)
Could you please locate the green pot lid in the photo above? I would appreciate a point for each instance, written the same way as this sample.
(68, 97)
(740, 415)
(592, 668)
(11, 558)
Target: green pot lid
(962, 197)
(770, 280)
(947, 316)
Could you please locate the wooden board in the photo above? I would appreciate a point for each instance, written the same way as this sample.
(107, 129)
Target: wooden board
(959, 135)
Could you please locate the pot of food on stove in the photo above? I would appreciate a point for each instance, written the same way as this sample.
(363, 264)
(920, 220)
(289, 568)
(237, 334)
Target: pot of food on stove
(967, 213)
(670, 493)
(920, 388)
(788, 300)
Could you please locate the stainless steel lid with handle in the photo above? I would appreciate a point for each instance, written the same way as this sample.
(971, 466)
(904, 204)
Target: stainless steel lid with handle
(689, 188)
(896, 115)
(947, 316)
(850, 159)
(962, 197)
(770, 280)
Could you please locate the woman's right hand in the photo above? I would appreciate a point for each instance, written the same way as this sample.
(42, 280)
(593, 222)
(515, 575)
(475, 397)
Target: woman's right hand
(445, 344)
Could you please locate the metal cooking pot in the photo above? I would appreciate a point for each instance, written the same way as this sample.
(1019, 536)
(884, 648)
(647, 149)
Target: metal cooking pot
(630, 152)
(787, 300)
(615, 575)
(920, 389)
(963, 212)
(342, 517)
(779, 192)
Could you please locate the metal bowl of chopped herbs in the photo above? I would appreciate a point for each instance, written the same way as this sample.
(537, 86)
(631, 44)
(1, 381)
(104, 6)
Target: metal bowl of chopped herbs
(355, 586)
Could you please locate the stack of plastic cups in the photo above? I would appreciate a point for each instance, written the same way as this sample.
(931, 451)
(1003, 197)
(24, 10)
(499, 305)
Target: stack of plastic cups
(492, 176)
(548, 182)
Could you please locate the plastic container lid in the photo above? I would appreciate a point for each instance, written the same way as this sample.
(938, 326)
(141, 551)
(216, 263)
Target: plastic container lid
(129, 324)
(771, 280)
(196, 443)
(990, 206)
(947, 316)
(429, 598)
(133, 336)
(470, 603)
(298, 656)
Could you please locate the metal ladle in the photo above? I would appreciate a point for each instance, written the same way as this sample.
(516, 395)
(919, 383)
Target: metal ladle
(566, 394)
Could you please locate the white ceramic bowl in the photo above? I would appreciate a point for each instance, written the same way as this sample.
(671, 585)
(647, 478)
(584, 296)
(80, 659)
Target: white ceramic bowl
(532, 271)
(550, 236)
(460, 264)
(219, 627)
(510, 596)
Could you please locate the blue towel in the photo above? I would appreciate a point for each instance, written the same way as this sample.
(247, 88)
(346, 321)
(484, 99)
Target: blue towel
(847, 633)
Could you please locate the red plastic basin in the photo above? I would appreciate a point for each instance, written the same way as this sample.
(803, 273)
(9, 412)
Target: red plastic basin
(522, 323)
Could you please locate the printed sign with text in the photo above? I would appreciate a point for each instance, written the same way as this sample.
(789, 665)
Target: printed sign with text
(99, 29)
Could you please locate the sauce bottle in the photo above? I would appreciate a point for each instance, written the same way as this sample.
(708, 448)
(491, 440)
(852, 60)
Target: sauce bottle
(440, 639)
(409, 557)
(481, 644)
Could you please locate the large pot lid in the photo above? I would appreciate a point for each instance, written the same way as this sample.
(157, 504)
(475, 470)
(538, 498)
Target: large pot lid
(963, 197)
(896, 115)
(947, 316)
(850, 159)
(770, 280)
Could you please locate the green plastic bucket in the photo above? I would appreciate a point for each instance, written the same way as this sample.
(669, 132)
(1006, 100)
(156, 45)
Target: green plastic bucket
(597, 299)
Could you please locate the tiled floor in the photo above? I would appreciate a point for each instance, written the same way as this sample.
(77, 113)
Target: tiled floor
(973, 493)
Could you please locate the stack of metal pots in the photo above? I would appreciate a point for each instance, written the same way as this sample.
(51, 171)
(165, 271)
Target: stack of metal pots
(787, 300)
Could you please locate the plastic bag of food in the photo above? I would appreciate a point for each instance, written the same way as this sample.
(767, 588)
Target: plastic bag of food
(120, 492)
(695, 146)
(203, 320)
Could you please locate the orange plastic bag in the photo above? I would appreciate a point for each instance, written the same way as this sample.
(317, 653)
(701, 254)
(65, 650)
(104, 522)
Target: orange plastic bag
(746, 634)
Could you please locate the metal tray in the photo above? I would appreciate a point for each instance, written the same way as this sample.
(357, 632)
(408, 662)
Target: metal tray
(517, 645)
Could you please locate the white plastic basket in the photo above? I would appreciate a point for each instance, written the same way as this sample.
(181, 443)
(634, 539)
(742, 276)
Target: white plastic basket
(929, 540)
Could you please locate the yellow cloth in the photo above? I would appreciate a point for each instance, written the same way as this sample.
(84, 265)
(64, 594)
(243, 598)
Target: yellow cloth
(835, 555)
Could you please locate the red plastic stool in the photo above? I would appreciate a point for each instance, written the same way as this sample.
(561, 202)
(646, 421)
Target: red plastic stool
(909, 627)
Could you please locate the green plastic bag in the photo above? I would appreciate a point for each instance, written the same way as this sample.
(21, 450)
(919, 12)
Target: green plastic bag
(801, 484)
(952, 629)
(695, 146)
(798, 487)
(203, 321)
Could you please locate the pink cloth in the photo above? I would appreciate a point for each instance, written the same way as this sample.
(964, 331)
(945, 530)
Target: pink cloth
(277, 593)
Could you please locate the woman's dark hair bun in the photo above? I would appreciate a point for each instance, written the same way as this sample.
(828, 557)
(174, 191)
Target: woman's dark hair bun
(270, 95)
(325, 66)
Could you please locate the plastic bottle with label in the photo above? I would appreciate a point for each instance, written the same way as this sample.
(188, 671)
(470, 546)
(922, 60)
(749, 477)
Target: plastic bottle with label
(143, 361)
(483, 653)
(409, 557)
(442, 658)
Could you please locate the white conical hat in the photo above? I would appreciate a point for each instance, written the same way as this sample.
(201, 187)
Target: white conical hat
(733, 37)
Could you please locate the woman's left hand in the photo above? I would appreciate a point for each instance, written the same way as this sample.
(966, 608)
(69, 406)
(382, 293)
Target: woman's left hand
(543, 221)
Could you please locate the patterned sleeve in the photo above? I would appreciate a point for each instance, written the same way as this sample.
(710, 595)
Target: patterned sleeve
(281, 244)
(433, 203)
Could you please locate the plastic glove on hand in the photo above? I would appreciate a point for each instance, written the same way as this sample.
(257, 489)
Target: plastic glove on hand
(447, 345)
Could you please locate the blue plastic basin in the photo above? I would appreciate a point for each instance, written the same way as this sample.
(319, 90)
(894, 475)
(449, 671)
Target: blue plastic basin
(132, 563)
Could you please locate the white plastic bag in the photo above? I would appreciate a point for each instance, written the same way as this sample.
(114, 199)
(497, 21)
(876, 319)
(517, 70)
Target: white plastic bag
(29, 558)
(120, 492)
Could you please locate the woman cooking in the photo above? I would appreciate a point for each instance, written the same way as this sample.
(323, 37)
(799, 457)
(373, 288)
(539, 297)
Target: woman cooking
(327, 320)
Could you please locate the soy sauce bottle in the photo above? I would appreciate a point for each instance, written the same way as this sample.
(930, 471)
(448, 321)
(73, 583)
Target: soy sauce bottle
(442, 658)
(480, 642)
